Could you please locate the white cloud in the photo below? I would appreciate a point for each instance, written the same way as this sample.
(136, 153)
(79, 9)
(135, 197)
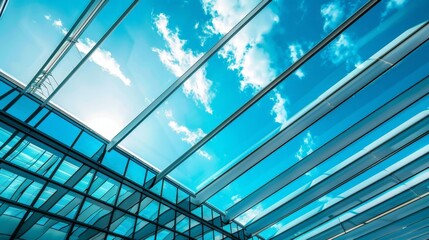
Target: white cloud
(190, 137)
(392, 5)
(225, 14)
(177, 60)
(306, 147)
(102, 58)
(243, 52)
(236, 198)
(250, 214)
(279, 110)
(168, 113)
(343, 49)
(58, 23)
(296, 52)
(332, 14)
(196, 25)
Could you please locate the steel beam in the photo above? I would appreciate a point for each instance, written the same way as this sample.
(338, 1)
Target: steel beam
(333, 97)
(340, 142)
(173, 87)
(267, 89)
(393, 141)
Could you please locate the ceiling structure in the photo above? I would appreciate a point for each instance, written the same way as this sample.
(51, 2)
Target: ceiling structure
(295, 119)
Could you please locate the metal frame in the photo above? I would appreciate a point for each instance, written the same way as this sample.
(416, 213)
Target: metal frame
(340, 142)
(267, 89)
(404, 135)
(362, 195)
(87, 16)
(88, 55)
(402, 207)
(3, 5)
(54, 144)
(325, 103)
(173, 87)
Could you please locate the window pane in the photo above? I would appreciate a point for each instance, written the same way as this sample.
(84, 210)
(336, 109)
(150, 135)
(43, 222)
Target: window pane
(115, 161)
(35, 157)
(59, 128)
(10, 218)
(136, 172)
(104, 188)
(38, 226)
(23, 108)
(95, 213)
(87, 144)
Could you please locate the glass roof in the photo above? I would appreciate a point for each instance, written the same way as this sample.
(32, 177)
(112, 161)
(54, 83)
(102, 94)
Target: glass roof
(273, 112)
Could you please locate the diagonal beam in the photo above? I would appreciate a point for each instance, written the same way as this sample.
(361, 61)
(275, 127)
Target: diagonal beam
(355, 199)
(395, 140)
(173, 87)
(333, 97)
(340, 142)
(88, 55)
(90, 12)
(267, 89)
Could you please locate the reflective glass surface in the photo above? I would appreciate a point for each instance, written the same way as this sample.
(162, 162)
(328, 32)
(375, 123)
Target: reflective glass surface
(214, 119)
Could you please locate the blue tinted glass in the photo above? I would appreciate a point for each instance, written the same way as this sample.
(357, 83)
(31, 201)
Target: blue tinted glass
(104, 188)
(149, 208)
(18, 188)
(87, 144)
(135, 172)
(80, 232)
(93, 212)
(38, 226)
(123, 224)
(66, 170)
(9, 218)
(3, 86)
(35, 157)
(59, 128)
(115, 161)
(23, 108)
(35, 120)
(7, 99)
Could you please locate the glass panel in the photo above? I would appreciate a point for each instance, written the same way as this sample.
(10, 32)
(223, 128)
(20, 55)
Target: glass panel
(95, 213)
(7, 99)
(164, 234)
(137, 72)
(128, 199)
(108, 14)
(104, 188)
(122, 224)
(59, 128)
(87, 144)
(135, 172)
(346, 191)
(383, 89)
(379, 199)
(10, 217)
(356, 46)
(35, 157)
(248, 62)
(39, 226)
(149, 208)
(59, 201)
(23, 108)
(115, 161)
(338, 161)
(144, 230)
(80, 232)
(169, 192)
(32, 33)
(182, 223)
(35, 120)
(18, 188)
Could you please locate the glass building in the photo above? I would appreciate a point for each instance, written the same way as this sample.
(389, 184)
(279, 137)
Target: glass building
(214, 119)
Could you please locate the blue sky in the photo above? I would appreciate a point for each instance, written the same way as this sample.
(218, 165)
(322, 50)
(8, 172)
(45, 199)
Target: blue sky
(159, 40)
